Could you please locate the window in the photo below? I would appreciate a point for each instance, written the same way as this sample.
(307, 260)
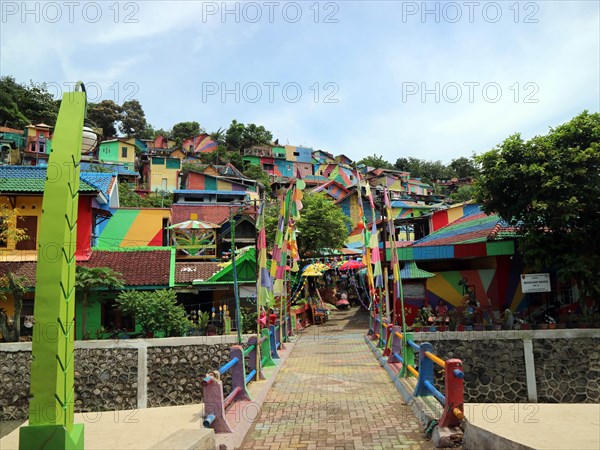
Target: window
(268, 166)
(296, 153)
(33, 147)
(173, 163)
(158, 161)
(42, 147)
(123, 152)
(29, 224)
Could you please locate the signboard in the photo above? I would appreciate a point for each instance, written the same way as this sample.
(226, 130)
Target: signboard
(413, 290)
(535, 282)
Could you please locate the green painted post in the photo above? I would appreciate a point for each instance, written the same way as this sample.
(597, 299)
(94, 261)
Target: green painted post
(408, 355)
(51, 407)
(265, 349)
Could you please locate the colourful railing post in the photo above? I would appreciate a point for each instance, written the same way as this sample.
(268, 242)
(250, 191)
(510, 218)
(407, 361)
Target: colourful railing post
(281, 333)
(387, 351)
(454, 390)
(265, 349)
(238, 375)
(408, 353)
(425, 371)
(252, 358)
(273, 332)
(214, 405)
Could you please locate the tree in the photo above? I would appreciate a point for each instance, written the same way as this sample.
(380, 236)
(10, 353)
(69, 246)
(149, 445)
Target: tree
(15, 285)
(184, 130)
(239, 137)
(462, 194)
(156, 311)
(218, 136)
(21, 105)
(463, 167)
(105, 115)
(133, 120)
(88, 279)
(377, 162)
(9, 229)
(322, 224)
(129, 199)
(255, 172)
(549, 188)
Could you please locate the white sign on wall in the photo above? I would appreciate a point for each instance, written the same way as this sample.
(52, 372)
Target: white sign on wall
(535, 282)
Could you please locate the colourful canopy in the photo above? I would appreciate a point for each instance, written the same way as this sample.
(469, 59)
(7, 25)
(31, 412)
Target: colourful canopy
(194, 225)
(350, 265)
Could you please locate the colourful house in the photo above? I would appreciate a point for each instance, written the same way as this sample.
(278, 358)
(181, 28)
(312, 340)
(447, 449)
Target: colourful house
(415, 186)
(298, 154)
(38, 145)
(322, 157)
(201, 143)
(202, 181)
(118, 151)
(164, 173)
(22, 187)
(343, 159)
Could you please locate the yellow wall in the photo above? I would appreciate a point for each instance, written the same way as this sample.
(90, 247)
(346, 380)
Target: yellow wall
(158, 172)
(144, 228)
(130, 159)
(28, 206)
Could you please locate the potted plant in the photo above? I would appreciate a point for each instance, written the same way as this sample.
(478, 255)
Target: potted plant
(454, 319)
(426, 318)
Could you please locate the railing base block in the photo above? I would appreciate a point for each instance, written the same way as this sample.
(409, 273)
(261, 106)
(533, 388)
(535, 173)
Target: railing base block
(445, 437)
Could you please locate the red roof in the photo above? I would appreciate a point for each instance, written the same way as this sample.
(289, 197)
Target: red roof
(218, 214)
(186, 272)
(138, 268)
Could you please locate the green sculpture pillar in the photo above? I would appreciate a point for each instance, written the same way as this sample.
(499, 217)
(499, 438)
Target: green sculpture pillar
(51, 405)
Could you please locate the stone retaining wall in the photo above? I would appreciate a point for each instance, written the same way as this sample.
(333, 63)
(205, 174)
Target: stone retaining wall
(125, 374)
(562, 366)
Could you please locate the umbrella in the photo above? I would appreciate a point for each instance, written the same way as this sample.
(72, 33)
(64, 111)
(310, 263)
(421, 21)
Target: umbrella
(318, 267)
(194, 225)
(352, 264)
(311, 272)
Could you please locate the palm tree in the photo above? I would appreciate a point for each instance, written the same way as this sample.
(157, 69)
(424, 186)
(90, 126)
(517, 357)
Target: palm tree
(88, 279)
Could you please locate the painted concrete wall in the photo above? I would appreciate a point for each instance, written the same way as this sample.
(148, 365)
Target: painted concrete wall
(162, 168)
(134, 227)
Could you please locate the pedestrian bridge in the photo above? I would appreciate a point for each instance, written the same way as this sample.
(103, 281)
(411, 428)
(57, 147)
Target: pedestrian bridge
(338, 385)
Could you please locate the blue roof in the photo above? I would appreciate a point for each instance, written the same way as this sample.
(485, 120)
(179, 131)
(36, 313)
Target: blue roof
(33, 179)
(115, 168)
(193, 191)
(101, 181)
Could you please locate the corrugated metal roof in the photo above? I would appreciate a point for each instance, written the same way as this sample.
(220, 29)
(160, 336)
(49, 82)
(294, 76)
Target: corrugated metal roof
(412, 272)
(30, 179)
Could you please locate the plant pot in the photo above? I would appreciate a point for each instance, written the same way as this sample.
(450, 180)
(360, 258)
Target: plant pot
(478, 327)
(542, 326)
(432, 329)
(525, 326)
(442, 328)
(417, 329)
(551, 326)
(468, 327)
(460, 328)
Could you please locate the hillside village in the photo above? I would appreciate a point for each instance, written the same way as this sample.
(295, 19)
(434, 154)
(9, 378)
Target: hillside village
(114, 235)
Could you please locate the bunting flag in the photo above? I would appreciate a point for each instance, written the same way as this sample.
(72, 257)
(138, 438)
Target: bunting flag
(398, 294)
(264, 283)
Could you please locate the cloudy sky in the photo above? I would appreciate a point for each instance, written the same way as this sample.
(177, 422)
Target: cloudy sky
(434, 80)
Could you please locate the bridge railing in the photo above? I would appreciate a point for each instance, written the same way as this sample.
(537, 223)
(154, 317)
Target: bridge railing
(215, 402)
(403, 350)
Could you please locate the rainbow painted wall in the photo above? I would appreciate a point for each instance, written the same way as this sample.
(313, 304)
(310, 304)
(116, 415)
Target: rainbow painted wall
(134, 227)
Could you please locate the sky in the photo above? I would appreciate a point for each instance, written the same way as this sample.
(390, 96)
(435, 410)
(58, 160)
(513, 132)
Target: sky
(432, 80)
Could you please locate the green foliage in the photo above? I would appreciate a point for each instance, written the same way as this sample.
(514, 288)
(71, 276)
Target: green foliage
(9, 231)
(239, 137)
(549, 188)
(463, 194)
(377, 162)
(105, 115)
(184, 130)
(428, 171)
(248, 320)
(21, 105)
(322, 224)
(464, 167)
(255, 172)
(133, 119)
(156, 311)
(129, 199)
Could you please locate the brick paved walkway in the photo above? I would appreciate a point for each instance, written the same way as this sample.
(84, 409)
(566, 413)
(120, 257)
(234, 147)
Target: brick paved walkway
(332, 394)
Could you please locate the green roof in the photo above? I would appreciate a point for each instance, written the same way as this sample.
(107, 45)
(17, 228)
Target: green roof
(245, 265)
(412, 272)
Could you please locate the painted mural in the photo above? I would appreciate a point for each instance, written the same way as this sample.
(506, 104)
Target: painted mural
(134, 227)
